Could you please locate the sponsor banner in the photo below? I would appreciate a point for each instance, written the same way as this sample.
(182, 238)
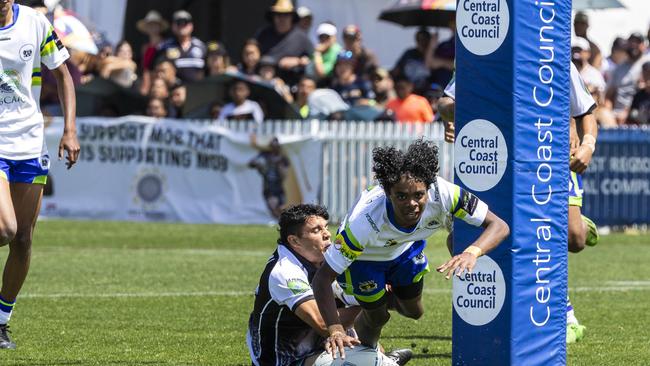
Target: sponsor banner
(616, 187)
(136, 168)
(512, 116)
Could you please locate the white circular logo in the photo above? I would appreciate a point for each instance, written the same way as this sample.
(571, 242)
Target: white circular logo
(482, 25)
(478, 296)
(26, 52)
(480, 155)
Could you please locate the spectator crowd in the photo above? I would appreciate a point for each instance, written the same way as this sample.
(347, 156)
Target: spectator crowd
(335, 77)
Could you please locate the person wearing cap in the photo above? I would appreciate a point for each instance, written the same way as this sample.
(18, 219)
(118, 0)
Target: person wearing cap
(326, 50)
(153, 25)
(580, 27)
(217, 60)
(286, 43)
(580, 54)
(267, 72)
(625, 78)
(412, 63)
(382, 86)
(305, 18)
(185, 51)
(351, 87)
(365, 60)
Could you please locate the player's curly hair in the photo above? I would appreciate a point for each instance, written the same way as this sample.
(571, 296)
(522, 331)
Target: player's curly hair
(294, 217)
(420, 162)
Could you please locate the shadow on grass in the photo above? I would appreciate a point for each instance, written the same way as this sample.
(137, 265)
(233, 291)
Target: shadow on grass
(420, 336)
(426, 356)
(30, 362)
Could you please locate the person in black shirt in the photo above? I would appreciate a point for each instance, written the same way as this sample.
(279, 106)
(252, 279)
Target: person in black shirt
(186, 52)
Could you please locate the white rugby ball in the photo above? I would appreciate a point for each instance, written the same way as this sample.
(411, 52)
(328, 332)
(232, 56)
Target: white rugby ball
(357, 356)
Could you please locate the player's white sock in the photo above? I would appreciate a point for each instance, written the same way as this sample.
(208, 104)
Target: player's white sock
(570, 315)
(6, 307)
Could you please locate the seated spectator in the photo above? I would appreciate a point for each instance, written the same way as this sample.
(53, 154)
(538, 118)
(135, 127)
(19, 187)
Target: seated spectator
(412, 63)
(166, 70)
(364, 59)
(624, 83)
(353, 89)
(305, 19)
(580, 55)
(186, 52)
(120, 68)
(325, 52)
(267, 72)
(153, 25)
(241, 108)
(283, 41)
(156, 108)
(440, 58)
(306, 86)
(617, 56)
(159, 89)
(218, 60)
(215, 109)
(383, 87)
(409, 107)
(640, 108)
(177, 101)
(250, 57)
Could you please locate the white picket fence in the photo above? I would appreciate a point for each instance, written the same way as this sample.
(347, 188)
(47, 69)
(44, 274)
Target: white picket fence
(347, 151)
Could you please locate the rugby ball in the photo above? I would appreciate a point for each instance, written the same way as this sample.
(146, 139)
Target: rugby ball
(357, 356)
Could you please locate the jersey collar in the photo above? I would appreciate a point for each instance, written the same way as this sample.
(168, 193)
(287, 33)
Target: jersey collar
(391, 217)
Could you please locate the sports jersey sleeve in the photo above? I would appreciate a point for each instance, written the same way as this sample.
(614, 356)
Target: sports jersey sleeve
(450, 89)
(462, 203)
(289, 285)
(581, 102)
(350, 242)
(53, 54)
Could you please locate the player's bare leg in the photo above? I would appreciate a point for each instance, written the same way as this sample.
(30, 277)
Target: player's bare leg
(369, 323)
(7, 215)
(577, 230)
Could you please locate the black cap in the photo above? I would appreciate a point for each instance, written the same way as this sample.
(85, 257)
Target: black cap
(636, 36)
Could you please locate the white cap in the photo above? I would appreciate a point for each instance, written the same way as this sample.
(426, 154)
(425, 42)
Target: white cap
(581, 43)
(326, 28)
(303, 12)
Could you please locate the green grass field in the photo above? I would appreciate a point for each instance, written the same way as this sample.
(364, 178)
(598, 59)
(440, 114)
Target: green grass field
(173, 294)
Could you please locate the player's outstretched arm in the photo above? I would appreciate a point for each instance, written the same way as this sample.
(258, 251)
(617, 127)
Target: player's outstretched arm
(495, 231)
(337, 337)
(65, 89)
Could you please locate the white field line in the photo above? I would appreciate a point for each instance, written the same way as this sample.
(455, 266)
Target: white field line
(644, 287)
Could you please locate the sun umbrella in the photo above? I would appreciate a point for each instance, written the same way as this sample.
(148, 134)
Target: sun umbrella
(438, 13)
(72, 32)
(596, 4)
(202, 94)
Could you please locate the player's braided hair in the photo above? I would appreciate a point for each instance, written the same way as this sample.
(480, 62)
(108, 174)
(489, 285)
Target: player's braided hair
(294, 217)
(420, 162)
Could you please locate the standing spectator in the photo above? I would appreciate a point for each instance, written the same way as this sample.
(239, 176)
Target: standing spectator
(283, 41)
(241, 107)
(306, 86)
(440, 58)
(352, 88)
(218, 60)
(166, 70)
(625, 79)
(187, 52)
(412, 63)
(364, 60)
(153, 25)
(617, 56)
(156, 108)
(580, 27)
(177, 101)
(383, 87)
(580, 54)
(409, 107)
(250, 57)
(640, 109)
(326, 51)
(305, 19)
(120, 68)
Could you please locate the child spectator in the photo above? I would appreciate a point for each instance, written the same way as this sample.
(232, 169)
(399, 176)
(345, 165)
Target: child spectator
(352, 88)
(241, 108)
(409, 107)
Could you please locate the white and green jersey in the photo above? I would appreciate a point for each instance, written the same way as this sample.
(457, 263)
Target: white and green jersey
(369, 231)
(24, 44)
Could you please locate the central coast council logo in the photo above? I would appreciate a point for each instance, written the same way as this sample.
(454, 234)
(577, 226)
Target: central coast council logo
(9, 81)
(148, 188)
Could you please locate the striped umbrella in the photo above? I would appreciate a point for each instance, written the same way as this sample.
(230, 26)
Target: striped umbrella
(436, 13)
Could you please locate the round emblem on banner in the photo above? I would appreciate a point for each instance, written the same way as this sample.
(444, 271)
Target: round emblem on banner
(480, 155)
(482, 25)
(479, 296)
(150, 188)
